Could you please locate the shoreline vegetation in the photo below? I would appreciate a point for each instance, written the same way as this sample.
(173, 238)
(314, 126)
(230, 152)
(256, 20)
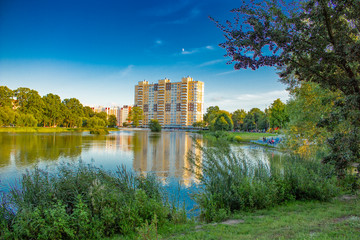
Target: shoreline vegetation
(79, 201)
(47, 129)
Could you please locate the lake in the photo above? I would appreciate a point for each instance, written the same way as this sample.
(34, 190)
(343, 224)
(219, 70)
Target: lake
(142, 151)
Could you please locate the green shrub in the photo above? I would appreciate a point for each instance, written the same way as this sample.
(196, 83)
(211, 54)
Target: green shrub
(82, 202)
(232, 182)
(99, 131)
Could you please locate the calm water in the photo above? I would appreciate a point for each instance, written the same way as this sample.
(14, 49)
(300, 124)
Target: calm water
(162, 153)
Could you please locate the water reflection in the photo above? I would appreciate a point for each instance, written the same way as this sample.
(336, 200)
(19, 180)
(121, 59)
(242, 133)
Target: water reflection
(162, 153)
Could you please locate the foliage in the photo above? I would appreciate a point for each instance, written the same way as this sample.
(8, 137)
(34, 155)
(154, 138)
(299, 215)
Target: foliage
(135, 115)
(315, 41)
(52, 110)
(112, 121)
(82, 202)
(221, 121)
(232, 182)
(278, 116)
(154, 125)
(6, 97)
(210, 114)
(255, 119)
(238, 118)
(99, 131)
(199, 124)
(308, 105)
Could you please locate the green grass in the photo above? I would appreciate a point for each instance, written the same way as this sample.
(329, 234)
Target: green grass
(236, 137)
(338, 219)
(247, 136)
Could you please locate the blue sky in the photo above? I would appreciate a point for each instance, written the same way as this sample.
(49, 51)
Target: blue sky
(97, 51)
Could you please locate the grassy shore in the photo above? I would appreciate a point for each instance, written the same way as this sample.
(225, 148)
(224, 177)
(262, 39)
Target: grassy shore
(236, 136)
(45, 129)
(337, 219)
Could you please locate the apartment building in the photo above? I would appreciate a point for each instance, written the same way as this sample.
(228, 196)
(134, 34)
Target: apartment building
(121, 114)
(177, 104)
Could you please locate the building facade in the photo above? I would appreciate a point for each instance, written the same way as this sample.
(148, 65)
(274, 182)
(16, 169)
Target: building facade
(177, 104)
(121, 114)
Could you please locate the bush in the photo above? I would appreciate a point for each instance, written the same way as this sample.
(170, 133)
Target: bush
(154, 125)
(232, 182)
(82, 202)
(99, 131)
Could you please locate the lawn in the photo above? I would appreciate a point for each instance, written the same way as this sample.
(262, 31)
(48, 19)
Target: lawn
(338, 219)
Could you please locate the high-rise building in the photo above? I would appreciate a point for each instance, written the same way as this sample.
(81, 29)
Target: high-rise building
(121, 114)
(175, 104)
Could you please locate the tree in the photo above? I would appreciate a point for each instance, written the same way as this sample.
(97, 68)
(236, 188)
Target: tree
(210, 114)
(135, 115)
(6, 97)
(112, 121)
(103, 116)
(29, 101)
(238, 118)
(52, 110)
(222, 122)
(73, 112)
(278, 116)
(315, 41)
(199, 124)
(154, 125)
(255, 119)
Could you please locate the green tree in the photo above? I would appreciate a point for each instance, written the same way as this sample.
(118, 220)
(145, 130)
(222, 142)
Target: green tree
(154, 125)
(308, 105)
(222, 122)
(210, 114)
(135, 115)
(103, 116)
(29, 101)
(52, 110)
(6, 97)
(278, 116)
(95, 122)
(315, 41)
(199, 124)
(73, 112)
(88, 112)
(7, 116)
(238, 118)
(112, 121)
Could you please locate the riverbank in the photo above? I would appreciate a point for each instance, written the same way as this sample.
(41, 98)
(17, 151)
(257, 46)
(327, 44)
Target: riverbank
(46, 129)
(337, 219)
(239, 137)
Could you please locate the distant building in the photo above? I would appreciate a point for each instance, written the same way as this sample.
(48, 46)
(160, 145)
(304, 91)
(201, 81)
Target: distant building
(176, 104)
(124, 115)
(121, 114)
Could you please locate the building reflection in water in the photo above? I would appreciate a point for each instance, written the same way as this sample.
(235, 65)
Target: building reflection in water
(164, 154)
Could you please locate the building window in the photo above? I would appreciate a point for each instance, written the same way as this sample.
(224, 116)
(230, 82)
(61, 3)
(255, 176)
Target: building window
(156, 86)
(155, 108)
(178, 107)
(168, 86)
(167, 107)
(191, 107)
(146, 107)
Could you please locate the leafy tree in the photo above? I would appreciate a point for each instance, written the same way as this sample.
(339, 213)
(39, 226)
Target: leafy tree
(7, 116)
(315, 41)
(6, 96)
(88, 112)
(52, 110)
(278, 116)
(95, 122)
(154, 125)
(25, 120)
(29, 101)
(222, 122)
(255, 119)
(112, 121)
(135, 115)
(238, 118)
(73, 112)
(103, 116)
(210, 114)
(308, 105)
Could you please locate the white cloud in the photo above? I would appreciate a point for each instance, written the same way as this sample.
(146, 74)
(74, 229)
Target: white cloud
(196, 50)
(211, 62)
(245, 101)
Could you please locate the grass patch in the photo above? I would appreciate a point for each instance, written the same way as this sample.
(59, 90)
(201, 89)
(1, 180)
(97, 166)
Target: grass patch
(335, 219)
(235, 137)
